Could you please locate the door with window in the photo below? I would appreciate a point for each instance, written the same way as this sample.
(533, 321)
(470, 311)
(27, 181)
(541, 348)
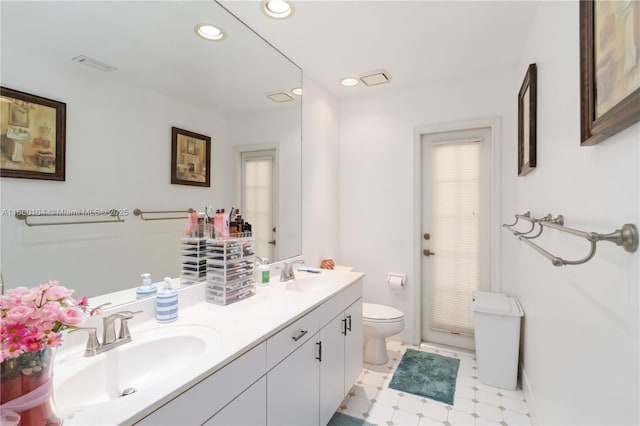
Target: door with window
(456, 246)
(259, 197)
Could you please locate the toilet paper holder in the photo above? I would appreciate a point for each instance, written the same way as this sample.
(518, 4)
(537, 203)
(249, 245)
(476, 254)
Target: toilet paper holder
(393, 279)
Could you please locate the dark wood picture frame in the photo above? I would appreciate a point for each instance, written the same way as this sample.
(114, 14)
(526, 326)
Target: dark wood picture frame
(190, 158)
(624, 113)
(527, 101)
(47, 162)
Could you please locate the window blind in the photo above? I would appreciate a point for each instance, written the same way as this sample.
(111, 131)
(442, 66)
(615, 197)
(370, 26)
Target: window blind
(455, 225)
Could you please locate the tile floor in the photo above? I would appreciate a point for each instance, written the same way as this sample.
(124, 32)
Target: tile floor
(475, 403)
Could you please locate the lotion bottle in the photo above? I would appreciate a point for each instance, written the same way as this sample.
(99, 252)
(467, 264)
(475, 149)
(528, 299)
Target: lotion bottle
(167, 303)
(147, 289)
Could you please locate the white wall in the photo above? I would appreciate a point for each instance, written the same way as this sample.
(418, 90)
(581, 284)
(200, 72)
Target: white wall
(118, 156)
(582, 323)
(377, 177)
(320, 174)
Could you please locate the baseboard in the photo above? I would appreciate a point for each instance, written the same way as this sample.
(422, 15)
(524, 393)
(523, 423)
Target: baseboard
(528, 396)
(431, 345)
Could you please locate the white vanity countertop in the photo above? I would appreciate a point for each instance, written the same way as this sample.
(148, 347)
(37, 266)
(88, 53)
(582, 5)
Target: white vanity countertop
(241, 326)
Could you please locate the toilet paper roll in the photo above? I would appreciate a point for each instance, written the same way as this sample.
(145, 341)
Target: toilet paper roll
(396, 282)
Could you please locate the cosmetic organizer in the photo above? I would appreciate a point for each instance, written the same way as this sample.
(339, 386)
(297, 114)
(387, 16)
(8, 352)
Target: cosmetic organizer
(230, 270)
(193, 260)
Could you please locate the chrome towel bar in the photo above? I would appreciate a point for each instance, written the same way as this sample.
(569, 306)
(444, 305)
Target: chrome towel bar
(626, 236)
(141, 213)
(113, 217)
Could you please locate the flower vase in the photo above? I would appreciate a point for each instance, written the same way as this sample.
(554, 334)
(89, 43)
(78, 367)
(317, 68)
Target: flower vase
(27, 388)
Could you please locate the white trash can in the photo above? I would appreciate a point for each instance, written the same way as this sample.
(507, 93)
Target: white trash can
(497, 335)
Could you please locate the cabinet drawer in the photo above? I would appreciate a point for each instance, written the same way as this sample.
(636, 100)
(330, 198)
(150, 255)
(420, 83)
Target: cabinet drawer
(338, 303)
(196, 405)
(280, 345)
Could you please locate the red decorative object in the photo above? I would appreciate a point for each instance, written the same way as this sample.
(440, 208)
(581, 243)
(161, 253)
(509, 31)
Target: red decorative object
(26, 388)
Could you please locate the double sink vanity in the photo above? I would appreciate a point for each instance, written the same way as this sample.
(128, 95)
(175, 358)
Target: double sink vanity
(287, 355)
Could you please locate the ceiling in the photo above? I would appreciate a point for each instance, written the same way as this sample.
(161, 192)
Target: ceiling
(152, 44)
(416, 41)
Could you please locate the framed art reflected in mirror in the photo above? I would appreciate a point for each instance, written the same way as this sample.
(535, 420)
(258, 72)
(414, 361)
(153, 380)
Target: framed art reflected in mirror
(32, 136)
(527, 99)
(190, 158)
(609, 68)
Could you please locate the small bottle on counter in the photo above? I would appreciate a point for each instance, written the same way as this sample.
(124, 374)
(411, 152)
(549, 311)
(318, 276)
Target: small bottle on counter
(225, 225)
(240, 223)
(217, 224)
(263, 270)
(147, 289)
(167, 303)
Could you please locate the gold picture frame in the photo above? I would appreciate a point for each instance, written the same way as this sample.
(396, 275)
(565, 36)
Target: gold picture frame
(609, 68)
(190, 158)
(32, 137)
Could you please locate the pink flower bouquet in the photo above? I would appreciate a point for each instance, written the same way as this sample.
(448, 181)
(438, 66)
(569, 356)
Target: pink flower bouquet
(33, 318)
(32, 322)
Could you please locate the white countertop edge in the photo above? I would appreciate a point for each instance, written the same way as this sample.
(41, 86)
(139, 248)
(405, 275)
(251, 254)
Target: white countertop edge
(194, 310)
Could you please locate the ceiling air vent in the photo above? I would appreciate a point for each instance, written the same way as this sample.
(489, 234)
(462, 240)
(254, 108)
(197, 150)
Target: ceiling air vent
(376, 78)
(93, 63)
(280, 97)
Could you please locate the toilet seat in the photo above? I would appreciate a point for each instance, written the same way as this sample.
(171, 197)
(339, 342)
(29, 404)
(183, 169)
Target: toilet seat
(372, 312)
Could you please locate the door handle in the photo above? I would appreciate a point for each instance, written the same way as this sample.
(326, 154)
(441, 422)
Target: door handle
(344, 326)
(427, 252)
(272, 242)
(319, 357)
(349, 327)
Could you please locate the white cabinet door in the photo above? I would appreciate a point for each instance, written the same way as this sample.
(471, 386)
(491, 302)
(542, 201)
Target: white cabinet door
(353, 345)
(293, 388)
(248, 409)
(332, 368)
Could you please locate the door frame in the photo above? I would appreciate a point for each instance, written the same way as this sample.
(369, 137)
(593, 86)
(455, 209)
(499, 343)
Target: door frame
(238, 150)
(495, 126)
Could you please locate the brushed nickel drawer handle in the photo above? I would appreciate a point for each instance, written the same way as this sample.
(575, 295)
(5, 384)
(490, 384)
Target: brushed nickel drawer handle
(300, 336)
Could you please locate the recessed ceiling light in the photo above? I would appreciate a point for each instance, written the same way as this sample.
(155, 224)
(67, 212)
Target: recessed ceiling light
(210, 32)
(277, 9)
(349, 81)
(297, 91)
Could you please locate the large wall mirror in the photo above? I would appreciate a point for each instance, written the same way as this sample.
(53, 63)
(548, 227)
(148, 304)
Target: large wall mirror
(238, 92)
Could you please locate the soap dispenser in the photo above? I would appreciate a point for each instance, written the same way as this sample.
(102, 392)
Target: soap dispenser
(167, 303)
(263, 269)
(147, 289)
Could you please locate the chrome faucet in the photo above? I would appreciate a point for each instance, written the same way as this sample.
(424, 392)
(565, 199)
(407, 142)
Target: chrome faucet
(109, 339)
(287, 270)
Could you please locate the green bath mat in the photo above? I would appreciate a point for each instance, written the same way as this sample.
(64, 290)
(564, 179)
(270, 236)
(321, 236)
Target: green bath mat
(340, 419)
(426, 374)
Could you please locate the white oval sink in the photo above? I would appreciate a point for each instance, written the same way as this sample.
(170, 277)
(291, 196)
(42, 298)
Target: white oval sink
(137, 366)
(310, 283)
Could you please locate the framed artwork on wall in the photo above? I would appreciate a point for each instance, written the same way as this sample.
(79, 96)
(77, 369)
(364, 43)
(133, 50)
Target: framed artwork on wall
(527, 99)
(190, 158)
(32, 136)
(609, 68)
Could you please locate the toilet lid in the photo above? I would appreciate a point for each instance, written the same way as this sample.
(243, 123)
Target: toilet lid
(372, 311)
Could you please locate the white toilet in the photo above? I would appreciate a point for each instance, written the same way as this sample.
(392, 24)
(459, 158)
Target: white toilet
(378, 323)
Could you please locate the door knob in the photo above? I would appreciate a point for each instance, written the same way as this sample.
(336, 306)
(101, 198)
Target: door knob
(427, 236)
(272, 242)
(427, 252)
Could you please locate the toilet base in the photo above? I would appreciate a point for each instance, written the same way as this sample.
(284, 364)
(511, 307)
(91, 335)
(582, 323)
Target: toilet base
(375, 350)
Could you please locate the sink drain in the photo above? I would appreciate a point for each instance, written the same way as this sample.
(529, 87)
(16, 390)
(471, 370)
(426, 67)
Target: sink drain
(128, 391)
